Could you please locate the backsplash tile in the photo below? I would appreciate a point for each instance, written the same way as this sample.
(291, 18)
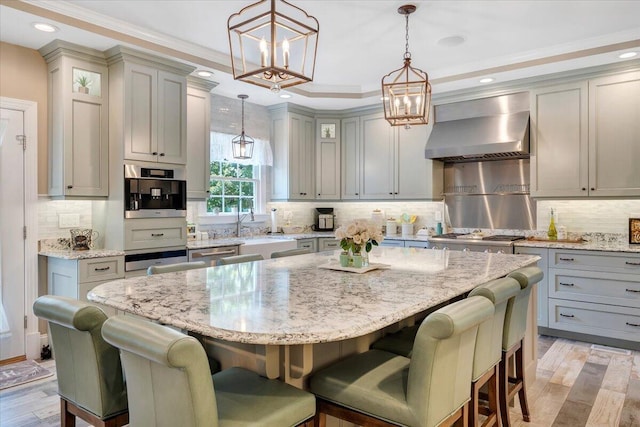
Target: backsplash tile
(48, 211)
(589, 216)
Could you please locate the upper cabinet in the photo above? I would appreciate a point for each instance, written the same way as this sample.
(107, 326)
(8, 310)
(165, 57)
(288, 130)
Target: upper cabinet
(584, 138)
(327, 158)
(149, 102)
(380, 161)
(292, 136)
(78, 121)
(198, 137)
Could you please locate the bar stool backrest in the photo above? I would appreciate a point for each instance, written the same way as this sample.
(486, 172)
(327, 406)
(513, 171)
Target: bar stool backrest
(181, 266)
(167, 374)
(515, 323)
(488, 349)
(237, 259)
(442, 361)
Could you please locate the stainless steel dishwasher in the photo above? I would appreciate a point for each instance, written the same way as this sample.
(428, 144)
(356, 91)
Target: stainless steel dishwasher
(211, 255)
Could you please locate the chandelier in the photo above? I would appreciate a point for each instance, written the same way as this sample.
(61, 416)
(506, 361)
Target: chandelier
(273, 44)
(242, 144)
(406, 92)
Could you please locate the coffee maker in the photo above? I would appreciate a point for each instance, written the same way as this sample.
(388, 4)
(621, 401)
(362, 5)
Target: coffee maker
(323, 219)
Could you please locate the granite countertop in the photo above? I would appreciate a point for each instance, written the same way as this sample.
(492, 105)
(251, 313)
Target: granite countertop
(69, 254)
(234, 241)
(292, 300)
(593, 245)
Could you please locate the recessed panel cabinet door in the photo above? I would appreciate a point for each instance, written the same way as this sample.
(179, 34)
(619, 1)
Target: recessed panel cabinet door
(377, 157)
(172, 118)
(614, 135)
(350, 158)
(140, 113)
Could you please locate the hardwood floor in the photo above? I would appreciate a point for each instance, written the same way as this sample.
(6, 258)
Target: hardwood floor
(578, 385)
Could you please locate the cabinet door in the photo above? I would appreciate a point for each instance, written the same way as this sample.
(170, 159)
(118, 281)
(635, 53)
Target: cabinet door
(416, 177)
(311, 244)
(301, 155)
(543, 286)
(198, 138)
(328, 159)
(350, 158)
(614, 133)
(328, 244)
(141, 105)
(377, 157)
(172, 118)
(559, 141)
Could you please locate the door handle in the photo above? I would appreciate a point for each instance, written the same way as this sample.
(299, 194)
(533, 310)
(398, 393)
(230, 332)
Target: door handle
(635, 291)
(566, 259)
(566, 284)
(157, 234)
(635, 325)
(567, 315)
(101, 269)
(632, 263)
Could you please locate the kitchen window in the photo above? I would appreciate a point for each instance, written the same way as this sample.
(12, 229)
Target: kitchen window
(232, 186)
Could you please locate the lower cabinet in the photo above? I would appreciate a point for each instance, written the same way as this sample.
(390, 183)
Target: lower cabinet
(154, 233)
(310, 243)
(392, 243)
(328, 244)
(416, 244)
(595, 294)
(74, 278)
(543, 289)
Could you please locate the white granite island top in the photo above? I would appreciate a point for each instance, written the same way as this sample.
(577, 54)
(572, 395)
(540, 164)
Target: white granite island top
(291, 300)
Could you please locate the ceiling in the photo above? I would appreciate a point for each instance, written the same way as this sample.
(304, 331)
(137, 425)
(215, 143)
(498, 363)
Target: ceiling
(359, 42)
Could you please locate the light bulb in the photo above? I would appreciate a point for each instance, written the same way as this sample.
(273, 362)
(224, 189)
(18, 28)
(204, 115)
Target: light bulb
(285, 53)
(263, 52)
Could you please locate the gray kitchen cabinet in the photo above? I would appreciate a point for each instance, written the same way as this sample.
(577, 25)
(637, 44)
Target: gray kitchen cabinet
(78, 121)
(149, 106)
(584, 138)
(542, 286)
(614, 132)
(74, 278)
(328, 244)
(596, 294)
(423, 244)
(328, 159)
(145, 233)
(310, 243)
(198, 137)
(392, 243)
(559, 141)
(292, 136)
(384, 162)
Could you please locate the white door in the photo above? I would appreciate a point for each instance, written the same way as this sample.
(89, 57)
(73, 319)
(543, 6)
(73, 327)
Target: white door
(12, 245)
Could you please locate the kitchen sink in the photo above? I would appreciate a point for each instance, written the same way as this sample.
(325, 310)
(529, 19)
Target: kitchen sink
(266, 245)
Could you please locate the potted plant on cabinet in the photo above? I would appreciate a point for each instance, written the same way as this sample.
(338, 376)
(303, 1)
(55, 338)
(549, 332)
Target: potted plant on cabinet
(83, 84)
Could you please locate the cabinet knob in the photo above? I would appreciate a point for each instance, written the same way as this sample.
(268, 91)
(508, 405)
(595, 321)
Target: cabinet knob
(395, 193)
(356, 194)
(161, 154)
(593, 189)
(584, 189)
(391, 193)
(155, 153)
(69, 186)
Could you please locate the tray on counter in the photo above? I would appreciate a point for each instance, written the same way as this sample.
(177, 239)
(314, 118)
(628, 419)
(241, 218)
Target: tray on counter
(338, 267)
(546, 239)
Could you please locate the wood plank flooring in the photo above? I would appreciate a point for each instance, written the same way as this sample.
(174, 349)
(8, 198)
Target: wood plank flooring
(577, 386)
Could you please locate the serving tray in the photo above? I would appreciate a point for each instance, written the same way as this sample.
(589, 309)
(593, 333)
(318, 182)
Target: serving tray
(338, 267)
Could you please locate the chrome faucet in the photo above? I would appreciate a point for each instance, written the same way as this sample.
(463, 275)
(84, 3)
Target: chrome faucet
(242, 218)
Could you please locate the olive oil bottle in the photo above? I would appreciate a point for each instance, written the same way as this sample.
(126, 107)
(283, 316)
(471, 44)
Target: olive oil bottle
(552, 232)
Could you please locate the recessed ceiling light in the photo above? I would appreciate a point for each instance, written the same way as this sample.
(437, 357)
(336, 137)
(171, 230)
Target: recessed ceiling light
(451, 41)
(486, 80)
(204, 73)
(47, 28)
(285, 96)
(627, 55)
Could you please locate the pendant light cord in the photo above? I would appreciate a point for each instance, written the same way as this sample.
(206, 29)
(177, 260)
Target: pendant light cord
(407, 54)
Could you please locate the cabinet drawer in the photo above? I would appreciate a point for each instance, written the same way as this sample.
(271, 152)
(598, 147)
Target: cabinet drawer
(100, 269)
(604, 288)
(416, 244)
(311, 244)
(328, 244)
(595, 261)
(149, 233)
(392, 243)
(595, 319)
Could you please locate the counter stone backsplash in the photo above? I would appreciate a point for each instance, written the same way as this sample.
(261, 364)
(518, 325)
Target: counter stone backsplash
(612, 238)
(59, 244)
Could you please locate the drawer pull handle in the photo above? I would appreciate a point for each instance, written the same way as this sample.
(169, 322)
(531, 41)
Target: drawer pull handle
(205, 254)
(101, 269)
(635, 325)
(566, 259)
(632, 263)
(157, 234)
(566, 284)
(635, 291)
(567, 315)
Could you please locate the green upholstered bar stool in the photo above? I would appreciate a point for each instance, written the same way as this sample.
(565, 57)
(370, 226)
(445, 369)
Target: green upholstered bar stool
(181, 266)
(90, 380)
(290, 252)
(515, 325)
(170, 385)
(432, 388)
(488, 351)
(237, 259)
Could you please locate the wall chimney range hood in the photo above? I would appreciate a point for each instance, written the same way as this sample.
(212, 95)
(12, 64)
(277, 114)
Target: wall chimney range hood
(483, 129)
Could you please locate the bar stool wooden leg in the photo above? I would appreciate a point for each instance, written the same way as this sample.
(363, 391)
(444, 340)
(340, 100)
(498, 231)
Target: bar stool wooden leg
(521, 383)
(492, 410)
(510, 386)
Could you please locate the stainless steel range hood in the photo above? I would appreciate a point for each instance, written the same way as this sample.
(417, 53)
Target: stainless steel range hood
(482, 129)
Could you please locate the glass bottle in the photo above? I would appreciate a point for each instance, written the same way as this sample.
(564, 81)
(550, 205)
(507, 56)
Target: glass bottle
(552, 232)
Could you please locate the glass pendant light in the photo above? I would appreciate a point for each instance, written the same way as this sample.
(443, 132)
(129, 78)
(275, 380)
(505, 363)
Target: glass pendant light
(242, 144)
(406, 92)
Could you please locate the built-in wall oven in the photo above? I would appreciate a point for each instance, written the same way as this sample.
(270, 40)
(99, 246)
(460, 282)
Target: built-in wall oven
(155, 192)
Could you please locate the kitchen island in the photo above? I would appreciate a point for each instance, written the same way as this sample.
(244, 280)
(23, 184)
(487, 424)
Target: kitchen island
(246, 313)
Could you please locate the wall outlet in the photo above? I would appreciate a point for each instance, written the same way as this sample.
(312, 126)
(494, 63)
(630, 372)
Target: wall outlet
(68, 220)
